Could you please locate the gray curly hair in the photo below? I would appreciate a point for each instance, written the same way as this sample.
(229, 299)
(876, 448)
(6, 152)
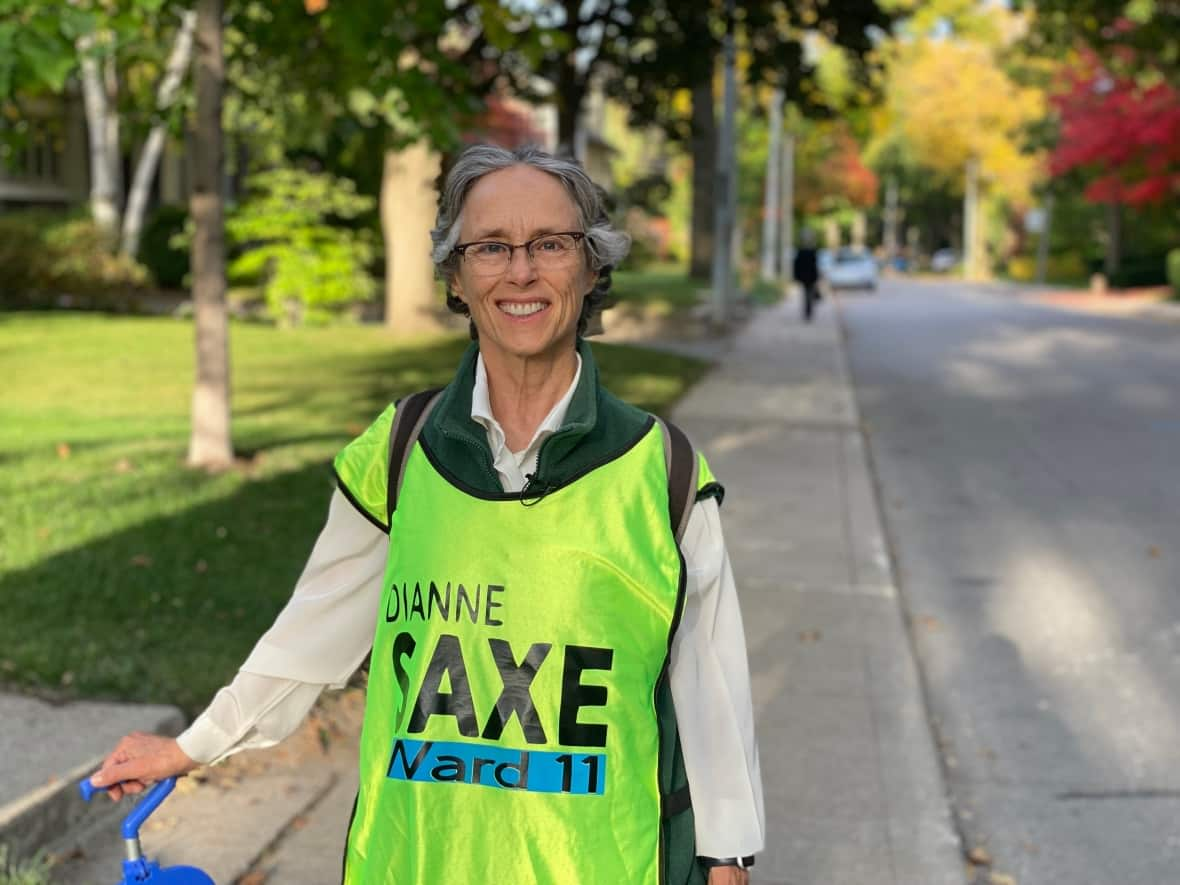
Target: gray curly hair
(605, 246)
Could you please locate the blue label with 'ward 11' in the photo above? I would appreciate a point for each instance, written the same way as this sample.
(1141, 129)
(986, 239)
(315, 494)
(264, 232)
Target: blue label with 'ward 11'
(538, 771)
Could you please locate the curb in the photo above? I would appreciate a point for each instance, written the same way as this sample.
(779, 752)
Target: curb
(49, 814)
(902, 606)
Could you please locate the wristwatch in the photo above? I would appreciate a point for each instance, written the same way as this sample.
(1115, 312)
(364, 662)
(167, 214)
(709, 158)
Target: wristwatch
(743, 863)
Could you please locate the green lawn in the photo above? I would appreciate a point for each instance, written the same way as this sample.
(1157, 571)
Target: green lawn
(669, 286)
(123, 574)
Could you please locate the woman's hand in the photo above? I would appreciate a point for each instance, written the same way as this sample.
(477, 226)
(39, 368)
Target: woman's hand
(138, 760)
(729, 876)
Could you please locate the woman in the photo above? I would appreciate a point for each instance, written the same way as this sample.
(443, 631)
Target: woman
(547, 671)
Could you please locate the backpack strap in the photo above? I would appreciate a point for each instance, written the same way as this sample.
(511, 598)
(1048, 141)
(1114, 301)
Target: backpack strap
(408, 420)
(683, 468)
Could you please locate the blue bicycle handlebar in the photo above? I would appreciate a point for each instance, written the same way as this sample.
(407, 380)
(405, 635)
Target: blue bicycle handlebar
(143, 808)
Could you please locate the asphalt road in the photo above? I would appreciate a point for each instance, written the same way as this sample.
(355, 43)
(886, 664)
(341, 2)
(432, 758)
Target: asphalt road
(1029, 465)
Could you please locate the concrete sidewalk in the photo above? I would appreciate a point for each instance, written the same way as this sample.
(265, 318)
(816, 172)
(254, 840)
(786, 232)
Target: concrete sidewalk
(854, 792)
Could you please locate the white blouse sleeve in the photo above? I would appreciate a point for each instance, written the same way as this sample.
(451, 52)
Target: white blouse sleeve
(710, 680)
(318, 641)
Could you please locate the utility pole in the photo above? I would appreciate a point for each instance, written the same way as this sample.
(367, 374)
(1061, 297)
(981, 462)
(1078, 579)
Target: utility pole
(726, 181)
(770, 200)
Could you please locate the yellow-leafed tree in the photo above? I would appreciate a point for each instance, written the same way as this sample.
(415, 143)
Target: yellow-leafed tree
(962, 116)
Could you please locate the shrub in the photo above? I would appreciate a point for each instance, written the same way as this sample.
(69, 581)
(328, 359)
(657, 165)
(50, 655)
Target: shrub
(167, 263)
(291, 237)
(1141, 270)
(83, 264)
(49, 257)
(1174, 272)
(1067, 267)
(20, 243)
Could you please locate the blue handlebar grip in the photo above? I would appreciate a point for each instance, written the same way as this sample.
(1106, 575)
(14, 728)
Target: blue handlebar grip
(149, 803)
(88, 789)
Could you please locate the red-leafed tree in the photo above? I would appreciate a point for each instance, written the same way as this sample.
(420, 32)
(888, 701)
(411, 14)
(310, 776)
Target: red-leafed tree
(1124, 135)
(832, 173)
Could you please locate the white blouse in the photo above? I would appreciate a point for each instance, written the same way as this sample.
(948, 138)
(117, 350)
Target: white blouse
(326, 629)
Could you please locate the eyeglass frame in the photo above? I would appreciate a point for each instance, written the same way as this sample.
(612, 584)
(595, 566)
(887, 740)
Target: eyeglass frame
(527, 245)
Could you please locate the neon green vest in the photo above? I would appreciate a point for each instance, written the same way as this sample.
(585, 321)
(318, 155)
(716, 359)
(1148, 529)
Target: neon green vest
(511, 732)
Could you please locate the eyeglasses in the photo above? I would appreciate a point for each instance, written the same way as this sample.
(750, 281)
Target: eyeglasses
(548, 251)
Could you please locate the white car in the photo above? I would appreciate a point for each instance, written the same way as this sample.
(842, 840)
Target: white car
(852, 269)
(943, 261)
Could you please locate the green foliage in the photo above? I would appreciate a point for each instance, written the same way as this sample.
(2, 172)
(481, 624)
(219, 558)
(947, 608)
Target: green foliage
(290, 237)
(29, 872)
(45, 256)
(1174, 272)
(170, 575)
(167, 261)
(1139, 270)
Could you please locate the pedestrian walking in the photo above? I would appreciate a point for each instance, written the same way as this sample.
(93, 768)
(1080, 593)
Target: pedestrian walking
(558, 687)
(806, 273)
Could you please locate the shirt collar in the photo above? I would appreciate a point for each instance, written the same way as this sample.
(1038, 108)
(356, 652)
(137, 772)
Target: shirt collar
(481, 408)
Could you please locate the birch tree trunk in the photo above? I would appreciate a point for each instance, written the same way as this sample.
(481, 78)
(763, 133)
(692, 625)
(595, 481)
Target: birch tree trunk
(104, 205)
(114, 144)
(149, 159)
(209, 444)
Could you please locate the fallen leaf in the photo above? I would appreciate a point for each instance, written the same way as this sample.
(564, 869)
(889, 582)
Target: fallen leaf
(201, 567)
(979, 856)
(257, 877)
(1002, 879)
(810, 636)
(141, 560)
(929, 622)
(67, 678)
(299, 822)
(124, 466)
(63, 450)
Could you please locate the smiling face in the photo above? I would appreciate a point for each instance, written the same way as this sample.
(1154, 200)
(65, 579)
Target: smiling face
(524, 312)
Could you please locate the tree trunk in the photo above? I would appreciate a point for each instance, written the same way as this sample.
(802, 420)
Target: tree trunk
(891, 220)
(725, 249)
(114, 141)
(704, 168)
(104, 205)
(1043, 242)
(409, 202)
(1114, 240)
(571, 85)
(770, 203)
(149, 160)
(972, 264)
(209, 445)
(787, 259)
